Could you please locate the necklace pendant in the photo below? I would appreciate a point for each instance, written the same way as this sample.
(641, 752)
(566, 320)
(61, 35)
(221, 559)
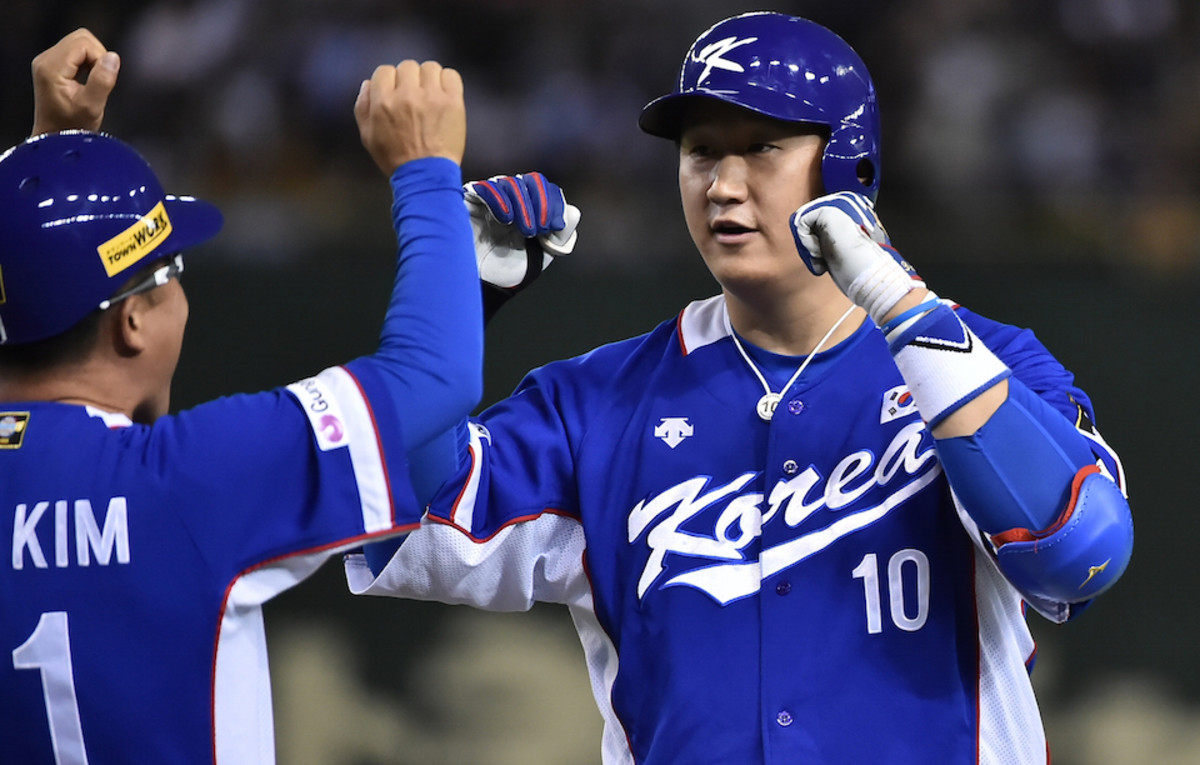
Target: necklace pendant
(766, 406)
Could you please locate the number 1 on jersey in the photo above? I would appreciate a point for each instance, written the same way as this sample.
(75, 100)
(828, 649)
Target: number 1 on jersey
(49, 649)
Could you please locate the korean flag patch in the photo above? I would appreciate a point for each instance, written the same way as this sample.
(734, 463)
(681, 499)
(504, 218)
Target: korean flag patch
(897, 402)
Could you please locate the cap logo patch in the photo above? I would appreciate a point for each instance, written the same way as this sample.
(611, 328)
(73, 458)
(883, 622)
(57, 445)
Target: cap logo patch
(136, 242)
(711, 56)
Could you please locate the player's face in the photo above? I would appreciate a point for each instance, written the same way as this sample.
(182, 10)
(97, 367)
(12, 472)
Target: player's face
(741, 176)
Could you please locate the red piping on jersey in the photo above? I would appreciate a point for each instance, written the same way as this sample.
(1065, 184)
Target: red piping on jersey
(463, 490)
(451, 521)
(348, 542)
(978, 654)
(1025, 535)
(387, 477)
(506, 524)
(587, 573)
(679, 332)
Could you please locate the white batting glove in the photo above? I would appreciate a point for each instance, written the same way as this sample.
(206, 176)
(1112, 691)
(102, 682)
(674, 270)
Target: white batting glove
(840, 234)
(521, 224)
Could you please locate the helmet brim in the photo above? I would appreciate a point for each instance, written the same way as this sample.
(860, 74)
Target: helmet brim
(663, 117)
(193, 222)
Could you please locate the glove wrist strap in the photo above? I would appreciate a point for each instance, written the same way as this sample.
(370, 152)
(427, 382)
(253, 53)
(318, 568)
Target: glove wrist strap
(880, 287)
(944, 363)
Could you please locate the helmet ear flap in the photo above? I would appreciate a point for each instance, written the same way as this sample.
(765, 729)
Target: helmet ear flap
(851, 162)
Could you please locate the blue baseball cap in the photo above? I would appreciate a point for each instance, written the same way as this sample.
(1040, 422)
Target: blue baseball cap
(80, 214)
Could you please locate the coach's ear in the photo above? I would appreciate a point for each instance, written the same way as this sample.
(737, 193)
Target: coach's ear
(129, 324)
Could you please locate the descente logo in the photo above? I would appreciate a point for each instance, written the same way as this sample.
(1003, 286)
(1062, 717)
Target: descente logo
(136, 242)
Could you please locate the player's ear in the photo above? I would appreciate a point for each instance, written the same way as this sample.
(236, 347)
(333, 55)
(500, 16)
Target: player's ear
(130, 325)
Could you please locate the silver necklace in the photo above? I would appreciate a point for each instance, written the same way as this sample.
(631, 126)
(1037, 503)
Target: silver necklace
(766, 405)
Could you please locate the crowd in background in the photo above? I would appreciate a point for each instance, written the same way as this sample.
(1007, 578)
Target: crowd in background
(1082, 113)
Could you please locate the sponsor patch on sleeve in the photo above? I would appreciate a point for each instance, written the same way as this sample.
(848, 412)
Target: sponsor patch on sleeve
(324, 414)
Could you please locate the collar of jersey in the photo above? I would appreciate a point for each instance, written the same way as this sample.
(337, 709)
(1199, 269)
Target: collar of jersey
(702, 323)
(778, 368)
(110, 419)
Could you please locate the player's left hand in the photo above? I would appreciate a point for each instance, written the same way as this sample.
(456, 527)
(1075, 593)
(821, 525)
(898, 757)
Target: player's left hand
(71, 83)
(841, 235)
(521, 224)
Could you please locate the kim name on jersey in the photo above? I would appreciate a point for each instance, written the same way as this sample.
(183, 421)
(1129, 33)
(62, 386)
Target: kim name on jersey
(44, 526)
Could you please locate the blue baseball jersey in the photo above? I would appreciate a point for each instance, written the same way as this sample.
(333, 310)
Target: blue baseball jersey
(140, 556)
(799, 590)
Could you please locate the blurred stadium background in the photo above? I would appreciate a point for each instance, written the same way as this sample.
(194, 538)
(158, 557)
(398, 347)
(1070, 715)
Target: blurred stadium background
(1041, 165)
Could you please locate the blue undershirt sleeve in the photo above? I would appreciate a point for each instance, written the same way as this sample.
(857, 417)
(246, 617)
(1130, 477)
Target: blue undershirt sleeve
(431, 346)
(432, 368)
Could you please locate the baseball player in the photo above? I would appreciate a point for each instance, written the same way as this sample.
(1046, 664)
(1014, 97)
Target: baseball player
(801, 521)
(142, 545)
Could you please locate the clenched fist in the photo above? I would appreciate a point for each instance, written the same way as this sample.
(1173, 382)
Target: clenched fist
(60, 100)
(411, 111)
(841, 235)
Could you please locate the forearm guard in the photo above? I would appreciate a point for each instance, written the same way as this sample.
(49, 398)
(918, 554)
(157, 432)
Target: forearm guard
(1061, 528)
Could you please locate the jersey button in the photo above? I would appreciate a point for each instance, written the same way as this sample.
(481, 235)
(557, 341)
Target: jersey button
(790, 467)
(795, 406)
(784, 718)
(783, 588)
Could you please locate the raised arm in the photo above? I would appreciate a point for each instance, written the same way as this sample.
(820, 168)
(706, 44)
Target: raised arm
(1027, 477)
(412, 122)
(71, 83)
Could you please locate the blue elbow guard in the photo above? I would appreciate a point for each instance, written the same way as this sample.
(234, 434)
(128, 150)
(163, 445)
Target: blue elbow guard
(1082, 554)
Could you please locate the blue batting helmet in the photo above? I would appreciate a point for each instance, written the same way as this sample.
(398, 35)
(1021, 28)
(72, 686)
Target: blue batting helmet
(791, 69)
(79, 211)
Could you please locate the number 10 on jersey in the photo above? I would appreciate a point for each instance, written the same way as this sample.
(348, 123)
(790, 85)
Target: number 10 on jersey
(898, 567)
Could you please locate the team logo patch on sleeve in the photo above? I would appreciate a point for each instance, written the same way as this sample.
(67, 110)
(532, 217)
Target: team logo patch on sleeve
(12, 429)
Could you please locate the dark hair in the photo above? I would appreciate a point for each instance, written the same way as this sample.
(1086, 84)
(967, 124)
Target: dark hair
(61, 349)
(70, 346)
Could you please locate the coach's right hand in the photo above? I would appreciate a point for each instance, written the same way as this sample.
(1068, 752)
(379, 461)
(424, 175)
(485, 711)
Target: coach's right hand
(410, 111)
(71, 83)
